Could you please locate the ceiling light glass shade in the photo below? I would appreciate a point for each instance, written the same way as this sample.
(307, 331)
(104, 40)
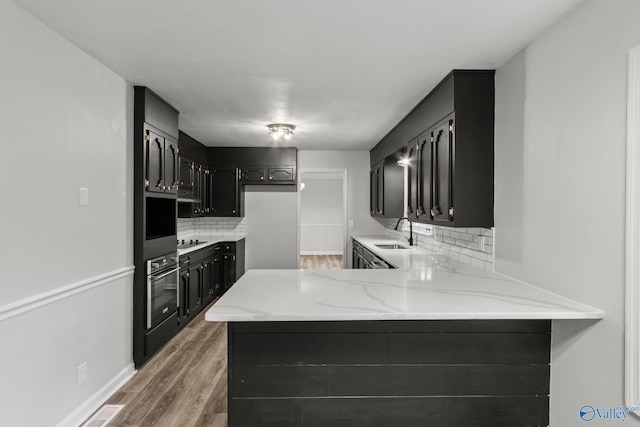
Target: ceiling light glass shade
(280, 130)
(403, 162)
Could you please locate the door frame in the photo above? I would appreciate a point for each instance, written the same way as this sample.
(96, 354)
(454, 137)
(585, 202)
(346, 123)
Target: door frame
(632, 243)
(345, 208)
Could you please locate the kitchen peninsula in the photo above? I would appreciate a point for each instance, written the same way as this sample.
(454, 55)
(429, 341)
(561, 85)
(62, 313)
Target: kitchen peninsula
(432, 342)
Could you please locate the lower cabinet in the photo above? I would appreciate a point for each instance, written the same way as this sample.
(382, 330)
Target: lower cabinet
(207, 274)
(364, 258)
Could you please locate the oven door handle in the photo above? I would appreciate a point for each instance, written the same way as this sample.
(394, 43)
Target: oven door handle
(164, 274)
(150, 280)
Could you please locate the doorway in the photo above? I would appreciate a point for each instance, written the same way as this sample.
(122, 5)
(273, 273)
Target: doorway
(322, 218)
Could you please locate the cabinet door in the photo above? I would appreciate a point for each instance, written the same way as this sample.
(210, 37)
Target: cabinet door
(171, 165)
(225, 192)
(380, 190)
(207, 282)
(216, 277)
(205, 193)
(423, 190)
(282, 175)
(253, 175)
(412, 181)
(373, 191)
(185, 178)
(183, 297)
(196, 273)
(154, 162)
(228, 270)
(442, 200)
(197, 189)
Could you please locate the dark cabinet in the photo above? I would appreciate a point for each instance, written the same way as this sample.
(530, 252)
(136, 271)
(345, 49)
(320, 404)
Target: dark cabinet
(451, 162)
(258, 165)
(362, 258)
(186, 177)
(202, 207)
(206, 274)
(197, 202)
(197, 189)
(231, 264)
(253, 175)
(430, 190)
(268, 175)
(282, 175)
(387, 188)
(194, 297)
(183, 295)
(226, 194)
(415, 205)
(161, 162)
(216, 274)
(155, 185)
(442, 210)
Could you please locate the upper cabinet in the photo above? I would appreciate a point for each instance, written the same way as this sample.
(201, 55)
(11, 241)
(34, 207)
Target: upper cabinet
(161, 164)
(386, 188)
(226, 193)
(156, 126)
(448, 142)
(261, 166)
(212, 179)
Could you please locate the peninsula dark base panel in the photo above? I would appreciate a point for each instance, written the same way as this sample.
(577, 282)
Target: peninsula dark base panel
(381, 373)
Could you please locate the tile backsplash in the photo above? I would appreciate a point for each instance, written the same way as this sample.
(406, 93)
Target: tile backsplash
(189, 228)
(468, 245)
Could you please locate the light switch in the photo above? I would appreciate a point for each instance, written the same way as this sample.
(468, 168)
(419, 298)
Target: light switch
(350, 223)
(83, 197)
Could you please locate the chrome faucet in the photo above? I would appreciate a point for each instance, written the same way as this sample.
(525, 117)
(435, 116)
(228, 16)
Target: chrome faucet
(410, 238)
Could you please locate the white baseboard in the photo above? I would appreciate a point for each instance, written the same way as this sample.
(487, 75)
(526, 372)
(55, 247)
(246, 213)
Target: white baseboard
(88, 407)
(320, 252)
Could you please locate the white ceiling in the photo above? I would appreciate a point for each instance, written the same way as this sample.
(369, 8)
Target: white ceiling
(343, 71)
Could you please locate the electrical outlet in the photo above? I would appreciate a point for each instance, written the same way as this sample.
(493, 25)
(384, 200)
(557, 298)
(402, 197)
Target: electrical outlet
(83, 373)
(428, 229)
(481, 244)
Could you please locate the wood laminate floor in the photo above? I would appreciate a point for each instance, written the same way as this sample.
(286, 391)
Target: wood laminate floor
(321, 262)
(185, 384)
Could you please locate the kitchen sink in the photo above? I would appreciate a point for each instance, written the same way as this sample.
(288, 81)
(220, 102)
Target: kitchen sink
(391, 246)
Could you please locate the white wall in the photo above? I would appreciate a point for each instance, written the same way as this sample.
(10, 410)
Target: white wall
(357, 165)
(560, 191)
(271, 214)
(321, 216)
(65, 281)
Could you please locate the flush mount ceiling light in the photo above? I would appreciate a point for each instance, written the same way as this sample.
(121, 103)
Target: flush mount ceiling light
(403, 162)
(281, 130)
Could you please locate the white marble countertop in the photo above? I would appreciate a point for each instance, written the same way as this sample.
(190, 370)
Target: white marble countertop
(208, 241)
(427, 287)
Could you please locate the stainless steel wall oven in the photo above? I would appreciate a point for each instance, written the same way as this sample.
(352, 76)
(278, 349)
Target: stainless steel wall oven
(162, 288)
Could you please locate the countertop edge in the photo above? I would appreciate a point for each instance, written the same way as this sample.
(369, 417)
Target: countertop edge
(213, 241)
